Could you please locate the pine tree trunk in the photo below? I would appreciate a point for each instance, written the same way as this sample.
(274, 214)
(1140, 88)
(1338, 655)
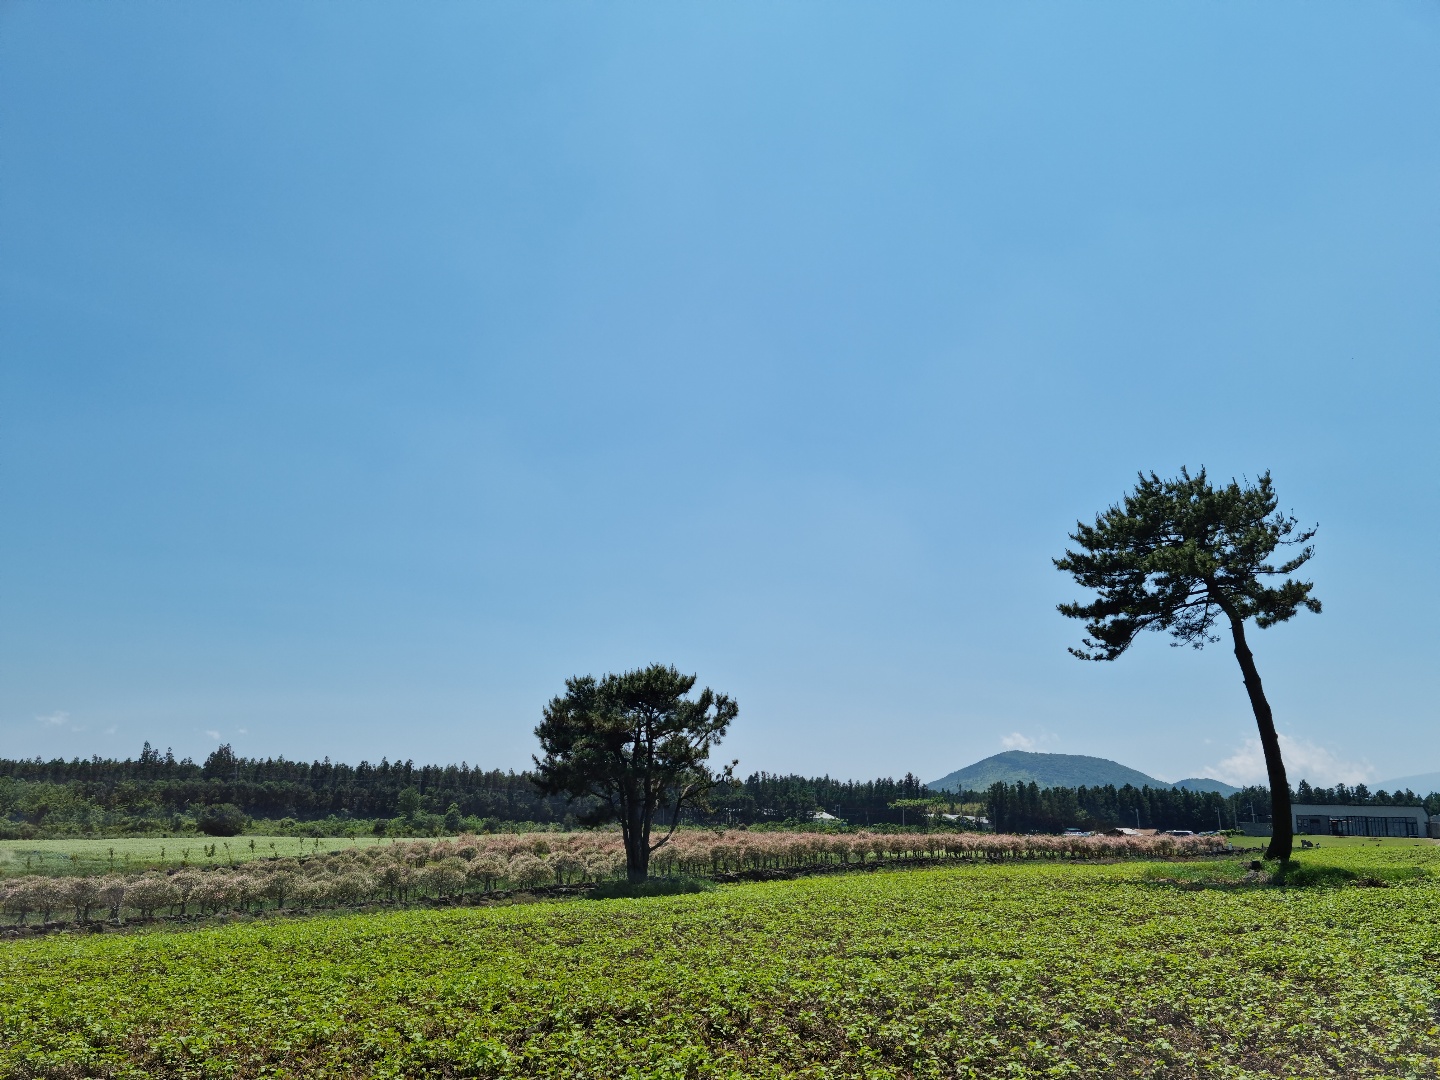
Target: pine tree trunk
(1282, 838)
(637, 849)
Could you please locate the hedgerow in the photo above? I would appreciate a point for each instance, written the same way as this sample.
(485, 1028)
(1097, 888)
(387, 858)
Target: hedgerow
(461, 868)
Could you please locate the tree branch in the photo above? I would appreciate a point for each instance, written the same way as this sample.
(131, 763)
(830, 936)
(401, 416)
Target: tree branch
(675, 822)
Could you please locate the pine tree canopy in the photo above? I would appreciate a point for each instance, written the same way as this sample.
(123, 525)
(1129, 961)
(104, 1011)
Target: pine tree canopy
(1177, 553)
(634, 744)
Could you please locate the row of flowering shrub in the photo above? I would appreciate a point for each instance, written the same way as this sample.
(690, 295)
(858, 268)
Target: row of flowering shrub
(453, 869)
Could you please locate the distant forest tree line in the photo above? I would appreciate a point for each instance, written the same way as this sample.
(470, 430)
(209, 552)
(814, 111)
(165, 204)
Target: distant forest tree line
(157, 792)
(1024, 808)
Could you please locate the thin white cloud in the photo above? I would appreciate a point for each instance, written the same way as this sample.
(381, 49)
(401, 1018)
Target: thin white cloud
(243, 731)
(1017, 741)
(110, 730)
(1304, 760)
(54, 719)
(214, 735)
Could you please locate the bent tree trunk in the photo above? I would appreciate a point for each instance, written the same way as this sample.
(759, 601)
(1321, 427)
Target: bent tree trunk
(1282, 836)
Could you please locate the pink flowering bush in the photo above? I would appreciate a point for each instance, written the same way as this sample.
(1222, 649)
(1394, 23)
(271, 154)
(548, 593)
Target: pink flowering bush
(451, 870)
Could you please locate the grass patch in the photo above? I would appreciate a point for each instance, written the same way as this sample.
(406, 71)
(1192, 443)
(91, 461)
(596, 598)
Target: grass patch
(657, 886)
(1311, 869)
(133, 854)
(1370, 844)
(1298, 874)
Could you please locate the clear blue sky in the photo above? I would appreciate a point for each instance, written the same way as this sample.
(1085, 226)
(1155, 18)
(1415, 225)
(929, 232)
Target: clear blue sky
(367, 369)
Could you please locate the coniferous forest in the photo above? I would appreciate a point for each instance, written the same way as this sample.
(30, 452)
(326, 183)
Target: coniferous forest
(227, 794)
(157, 792)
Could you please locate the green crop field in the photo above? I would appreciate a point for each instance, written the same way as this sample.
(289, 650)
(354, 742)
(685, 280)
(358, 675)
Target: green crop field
(1044, 969)
(148, 852)
(1345, 843)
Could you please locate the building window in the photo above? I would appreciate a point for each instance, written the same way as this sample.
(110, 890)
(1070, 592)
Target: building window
(1404, 826)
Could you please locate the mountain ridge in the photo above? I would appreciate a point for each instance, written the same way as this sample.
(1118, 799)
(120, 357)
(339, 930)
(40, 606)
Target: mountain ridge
(1061, 770)
(1205, 783)
(1420, 783)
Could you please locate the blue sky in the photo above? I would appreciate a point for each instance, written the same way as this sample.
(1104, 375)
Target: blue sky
(369, 369)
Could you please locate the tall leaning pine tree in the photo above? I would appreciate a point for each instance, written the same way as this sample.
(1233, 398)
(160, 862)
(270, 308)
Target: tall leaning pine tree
(1174, 556)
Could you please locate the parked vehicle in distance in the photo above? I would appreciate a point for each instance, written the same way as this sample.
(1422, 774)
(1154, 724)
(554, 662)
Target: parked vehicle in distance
(1181, 832)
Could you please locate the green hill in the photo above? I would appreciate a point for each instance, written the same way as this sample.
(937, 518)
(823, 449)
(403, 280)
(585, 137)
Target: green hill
(1204, 783)
(1047, 770)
